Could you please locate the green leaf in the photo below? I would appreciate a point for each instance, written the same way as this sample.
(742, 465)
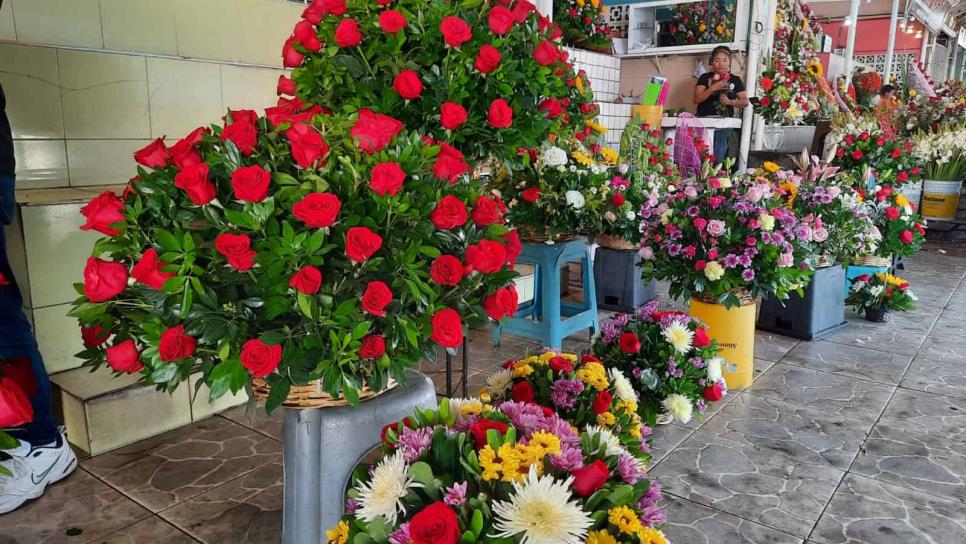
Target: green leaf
(7, 442)
(476, 523)
(277, 394)
(305, 305)
(228, 375)
(360, 330)
(281, 178)
(422, 473)
(351, 390)
(167, 240)
(469, 537)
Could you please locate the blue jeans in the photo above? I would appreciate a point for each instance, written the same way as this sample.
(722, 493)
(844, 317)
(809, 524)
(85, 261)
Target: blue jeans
(16, 337)
(720, 146)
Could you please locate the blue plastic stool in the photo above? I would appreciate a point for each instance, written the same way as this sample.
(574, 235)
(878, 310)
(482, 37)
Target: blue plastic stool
(855, 271)
(547, 310)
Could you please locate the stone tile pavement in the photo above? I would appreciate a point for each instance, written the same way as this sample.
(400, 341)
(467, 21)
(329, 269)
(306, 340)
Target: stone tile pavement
(856, 438)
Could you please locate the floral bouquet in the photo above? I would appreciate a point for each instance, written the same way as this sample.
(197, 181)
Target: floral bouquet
(867, 86)
(671, 361)
(862, 142)
(899, 226)
(928, 114)
(469, 472)
(788, 82)
(722, 238)
(581, 391)
(943, 153)
(583, 24)
(878, 294)
(702, 22)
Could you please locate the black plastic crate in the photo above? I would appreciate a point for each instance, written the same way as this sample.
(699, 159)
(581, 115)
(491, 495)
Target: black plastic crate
(618, 278)
(819, 312)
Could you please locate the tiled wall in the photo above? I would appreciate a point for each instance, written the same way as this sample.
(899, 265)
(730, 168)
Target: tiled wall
(604, 72)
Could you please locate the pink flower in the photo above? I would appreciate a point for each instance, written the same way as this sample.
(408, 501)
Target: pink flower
(712, 254)
(785, 260)
(716, 227)
(716, 201)
(699, 223)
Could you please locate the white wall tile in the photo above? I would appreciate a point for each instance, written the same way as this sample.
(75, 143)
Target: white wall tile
(61, 22)
(183, 95)
(105, 95)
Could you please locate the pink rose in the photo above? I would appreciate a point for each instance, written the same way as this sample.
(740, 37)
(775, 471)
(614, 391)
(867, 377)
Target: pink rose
(716, 227)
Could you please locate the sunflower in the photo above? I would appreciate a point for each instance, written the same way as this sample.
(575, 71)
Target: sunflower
(338, 535)
(610, 155)
(624, 519)
(815, 68)
(582, 158)
(595, 126)
(790, 189)
(889, 279)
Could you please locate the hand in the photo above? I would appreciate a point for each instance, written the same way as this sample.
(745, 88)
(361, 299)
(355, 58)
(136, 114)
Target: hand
(725, 100)
(720, 85)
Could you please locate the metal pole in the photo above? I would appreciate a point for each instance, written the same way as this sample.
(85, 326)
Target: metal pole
(752, 71)
(890, 49)
(850, 45)
(769, 14)
(924, 46)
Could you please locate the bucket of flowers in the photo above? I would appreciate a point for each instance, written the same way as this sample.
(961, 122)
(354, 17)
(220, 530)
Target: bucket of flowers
(471, 472)
(861, 142)
(670, 360)
(878, 294)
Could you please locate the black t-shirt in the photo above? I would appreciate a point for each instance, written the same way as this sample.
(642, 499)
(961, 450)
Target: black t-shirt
(711, 106)
(7, 165)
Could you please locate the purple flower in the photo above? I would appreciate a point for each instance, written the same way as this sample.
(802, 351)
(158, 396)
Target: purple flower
(350, 506)
(570, 458)
(731, 260)
(644, 312)
(652, 496)
(564, 393)
(653, 515)
(455, 495)
(674, 250)
(414, 442)
(525, 417)
(697, 362)
(401, 535)
(630, 469)
(766, 237)
(748, 274)
(745, 260)
(560, 428)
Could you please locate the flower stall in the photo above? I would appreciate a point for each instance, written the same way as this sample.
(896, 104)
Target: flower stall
(943, 156)
(584, 25)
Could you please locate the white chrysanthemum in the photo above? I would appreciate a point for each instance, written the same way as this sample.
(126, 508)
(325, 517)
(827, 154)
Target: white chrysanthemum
(382, 496)
(461, 406)
(575, 199)
(680, 407)
(622, 386)
(612, 443)
(714, 271)
(713, 366)
(767, 222)
(542, 511)
(554, 156)
(679, 336)
(498, 382)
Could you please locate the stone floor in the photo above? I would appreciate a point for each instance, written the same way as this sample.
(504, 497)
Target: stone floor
(857, 438)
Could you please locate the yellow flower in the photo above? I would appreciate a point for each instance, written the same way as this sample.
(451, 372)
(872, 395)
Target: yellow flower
(815, 68)
(713, 271)
(791, 190)
(901, 200)
(635, 431)
(606, 419)
(889, 279)
(472, 407)
(624, 519)
(771, 167)
(912, 93)
(610, 155)
(595, 126)
(582, 158)
(651, 536)
(720, 28)
(505, 462)
(548, 442)
(338, 535)
(522, 371)
(579, 83)
(580, 3)
(485, 397)
(593, 374)
(702, 27)
(595, 3)
(600, 537)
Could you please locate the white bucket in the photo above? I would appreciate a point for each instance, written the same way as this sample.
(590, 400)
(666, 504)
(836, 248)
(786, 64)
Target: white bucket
(940, 199)
(913, 193)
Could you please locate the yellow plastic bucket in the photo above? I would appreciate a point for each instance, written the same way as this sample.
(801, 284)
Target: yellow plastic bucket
(940, 199)
(734, 329)
(651, 115)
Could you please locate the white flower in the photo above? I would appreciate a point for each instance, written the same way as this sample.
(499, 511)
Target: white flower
(499, 381)
(666, 216)
(575, 199)
(573, 168)
(622, 386)
(607, 438)
(767, 222)
(630, 215)
(679, 336)
(554, 156)
(713, 367)
(679, 406)
(725, 183)
(382, 496)
(459, 406)
(543, 511)
(671, 188)
(610, 216)
(875, 291)
(713, 271)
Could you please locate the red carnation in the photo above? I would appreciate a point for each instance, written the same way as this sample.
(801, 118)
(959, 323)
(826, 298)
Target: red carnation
(618, 199)
(713, 393)
(905, 236)
(892, 212)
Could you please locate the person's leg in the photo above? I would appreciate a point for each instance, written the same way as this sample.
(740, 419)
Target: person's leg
(720, 146)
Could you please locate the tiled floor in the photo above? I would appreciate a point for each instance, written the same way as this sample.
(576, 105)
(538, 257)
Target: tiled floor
(856, 438)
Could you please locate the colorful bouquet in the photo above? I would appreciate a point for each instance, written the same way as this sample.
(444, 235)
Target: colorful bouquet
(720, 237)
(878, 294)
(861, 142)
(928, 114)
(942, 153)
(788, 82)
(671, 361)
(867, 87)
(900, 227)
(583, 24)
(469, 472)
(580, 390)
(712, 21)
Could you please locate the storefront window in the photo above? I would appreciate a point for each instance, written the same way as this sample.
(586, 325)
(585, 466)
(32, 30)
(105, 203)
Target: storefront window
(652, 25)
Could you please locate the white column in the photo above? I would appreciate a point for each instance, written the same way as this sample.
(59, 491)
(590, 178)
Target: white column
(924, 47)
(890, 49)
(850, 45)
(546, 8)
(752, 72)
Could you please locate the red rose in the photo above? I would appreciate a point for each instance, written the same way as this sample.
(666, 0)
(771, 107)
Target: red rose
(532, 194)
(435, 524)
(522, 9)
(392, 21)
(194, 181)
(449, 213)
(500, 20)
(513, 247)
(446, 270)
(500, 114)
(347, 34)
(892, 212)
(250, 183)
(237, 250)
(102, 212)
(849, 139)
(361, 243)
(243, 134)
(395, 427)
(455, 31)
(286, 86)
(486, 212)
(307, 145)
(176, 344)
(449, 164)
(387, 177)
(701, 338)
(602, 402)
(408, 85)
(486, 257)
(479, 429)
(618, 199)
(906, 236)
(374, 131)
(259, 358)
(502, 303)
(896, 153)
(373, 346)
(15, 407)
(552, 106)
(317, 210)
(857, 154)
(94, 336)
(307, 280)
(452, 115)
(713, 393)
(148, 270)
(291, 57)
(103, 280)
(765, 101)
(902, 177)
(630, 343)
(880, 141)
(185, 152)
(320, 8)
(487, 59)
(376, 297)
(124, 357)
(447, 328)
(154, 155)
(546, 53)
(523, 392)
(919, 228)
(560, 364)
(306, 35)
(589, 479)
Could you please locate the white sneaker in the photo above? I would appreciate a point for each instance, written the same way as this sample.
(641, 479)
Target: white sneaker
(34, 468)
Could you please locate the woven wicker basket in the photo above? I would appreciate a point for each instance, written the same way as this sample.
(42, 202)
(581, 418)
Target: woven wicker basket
(615, 242)
(872, 260)
(312, 394)
(530, 234)
(744, 296)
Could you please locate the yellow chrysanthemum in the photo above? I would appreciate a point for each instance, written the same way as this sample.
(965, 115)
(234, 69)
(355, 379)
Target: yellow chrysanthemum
(628, 406)
(771, 167)
(548, 442)
(505, 463)
(473, 407)
(485, 397)
(594, 375)
(580, 3)
(600, 537)
(522, 371)
(569, 356)
(595, 126)
(606, 419)
(635, 431)
(624, 519)
(582, 158)
(610, 155)
(648, 535)
(595, 3)
(901, 200)
(338, 535)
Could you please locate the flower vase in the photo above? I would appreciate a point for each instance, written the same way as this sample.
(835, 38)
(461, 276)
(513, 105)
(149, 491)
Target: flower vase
(877, 315)
(734, 329)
